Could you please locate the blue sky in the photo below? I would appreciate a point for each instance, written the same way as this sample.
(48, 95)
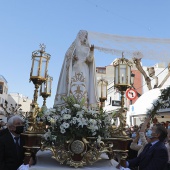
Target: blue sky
(27, 23)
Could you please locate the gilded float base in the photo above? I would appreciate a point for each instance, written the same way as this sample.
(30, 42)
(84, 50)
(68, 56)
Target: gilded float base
(84, 151)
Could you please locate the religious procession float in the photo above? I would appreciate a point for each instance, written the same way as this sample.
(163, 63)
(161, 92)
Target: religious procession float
(77, 130)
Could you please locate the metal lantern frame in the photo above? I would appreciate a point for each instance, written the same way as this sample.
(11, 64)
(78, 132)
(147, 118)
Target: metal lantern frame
(122, 81)
(122, 73)
(102, 90)
(102, 85)
(38, 74)
(35, 129)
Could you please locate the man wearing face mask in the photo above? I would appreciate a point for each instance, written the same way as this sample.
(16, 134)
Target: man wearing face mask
(11, 146)
(154, 156)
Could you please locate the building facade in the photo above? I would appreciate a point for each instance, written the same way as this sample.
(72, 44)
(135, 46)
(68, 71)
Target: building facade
(137, 111)
(140, 86)
(3, 91)
(13, 101)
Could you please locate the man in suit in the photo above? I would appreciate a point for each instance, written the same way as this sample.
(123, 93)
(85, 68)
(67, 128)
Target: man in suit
(155, 155)
(4, 131)
(11, 146)
(167, 144)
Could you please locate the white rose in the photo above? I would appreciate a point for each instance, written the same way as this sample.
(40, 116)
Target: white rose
(62, 131)
(66, 125)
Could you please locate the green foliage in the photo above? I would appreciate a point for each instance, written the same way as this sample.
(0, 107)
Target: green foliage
(162, 102)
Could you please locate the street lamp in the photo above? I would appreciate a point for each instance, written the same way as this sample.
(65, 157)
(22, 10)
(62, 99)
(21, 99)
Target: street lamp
(102, 91)
(45, 89)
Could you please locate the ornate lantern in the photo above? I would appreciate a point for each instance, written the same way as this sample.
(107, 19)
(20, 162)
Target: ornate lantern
(122, 81)
(45, 89)
(102, 91)
(122, 76)
(38, 73)
(122, 73)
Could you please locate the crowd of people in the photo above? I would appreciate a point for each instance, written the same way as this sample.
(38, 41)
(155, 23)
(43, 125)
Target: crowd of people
(150, 147)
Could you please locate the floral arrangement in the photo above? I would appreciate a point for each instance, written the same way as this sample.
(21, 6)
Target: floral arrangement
(76, 121)
(161, 103)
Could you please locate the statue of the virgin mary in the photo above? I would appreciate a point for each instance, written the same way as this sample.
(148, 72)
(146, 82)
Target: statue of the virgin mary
(78, 73)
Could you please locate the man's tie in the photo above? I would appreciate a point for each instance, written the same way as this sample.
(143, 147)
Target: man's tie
(17, 145)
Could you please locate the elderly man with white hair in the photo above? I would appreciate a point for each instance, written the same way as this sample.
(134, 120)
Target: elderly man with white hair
(11, 145)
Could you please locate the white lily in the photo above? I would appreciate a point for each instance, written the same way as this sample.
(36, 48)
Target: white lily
(76, 105)
(81, 122)
(66, 116)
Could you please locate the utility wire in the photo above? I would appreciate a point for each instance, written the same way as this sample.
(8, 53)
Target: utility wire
(120, 16)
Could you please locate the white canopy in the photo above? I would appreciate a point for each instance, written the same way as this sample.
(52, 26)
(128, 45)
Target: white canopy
(139, 47)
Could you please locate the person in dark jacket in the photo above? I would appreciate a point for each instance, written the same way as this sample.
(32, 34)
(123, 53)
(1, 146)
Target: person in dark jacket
(154, 156)
(11, 146)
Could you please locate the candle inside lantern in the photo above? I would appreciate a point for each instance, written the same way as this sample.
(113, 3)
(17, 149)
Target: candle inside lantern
(122, 78)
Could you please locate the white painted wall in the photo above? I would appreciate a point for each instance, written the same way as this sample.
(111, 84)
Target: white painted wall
(17, 98)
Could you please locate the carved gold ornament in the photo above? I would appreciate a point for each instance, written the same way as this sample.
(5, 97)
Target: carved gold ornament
(78, 153)
(77, 147)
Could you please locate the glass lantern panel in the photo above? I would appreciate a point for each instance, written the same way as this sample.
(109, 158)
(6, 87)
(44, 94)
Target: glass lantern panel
(132, 78)
(43, 68)
(35, 67)
(116, 78)
(43, 88)
(49, 86)
(123, 74)
(129, 75)
(104, 90)
(99, 89)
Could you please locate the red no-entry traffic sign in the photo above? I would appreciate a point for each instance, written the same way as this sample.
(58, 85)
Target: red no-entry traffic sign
(131, 94)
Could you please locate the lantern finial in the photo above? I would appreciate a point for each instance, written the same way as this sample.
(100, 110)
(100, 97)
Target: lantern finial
(42, 46)
(122, 54)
